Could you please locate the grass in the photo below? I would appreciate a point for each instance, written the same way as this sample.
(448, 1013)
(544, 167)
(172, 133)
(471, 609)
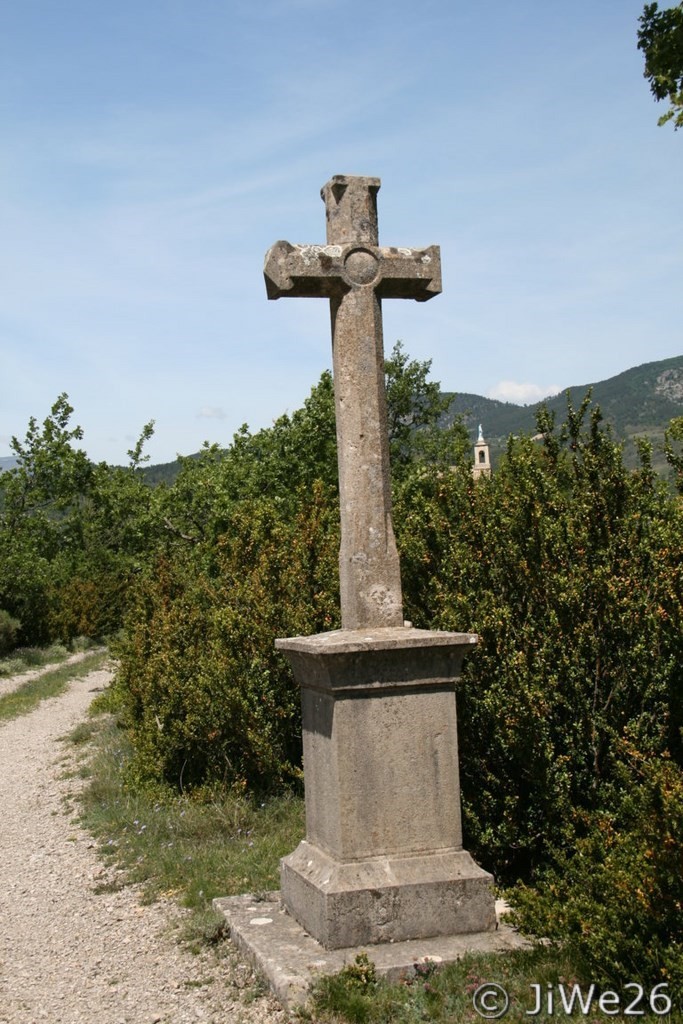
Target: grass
(189, 848)
(49, 684)
(446, 995)
(23, 659)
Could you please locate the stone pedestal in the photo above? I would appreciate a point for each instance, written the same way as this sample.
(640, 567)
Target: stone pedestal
(382, 860)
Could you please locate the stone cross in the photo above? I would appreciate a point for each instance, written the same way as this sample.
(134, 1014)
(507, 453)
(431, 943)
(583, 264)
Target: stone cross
(355, 273)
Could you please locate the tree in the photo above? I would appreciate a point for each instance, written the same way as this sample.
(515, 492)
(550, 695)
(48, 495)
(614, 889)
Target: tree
(300, 450)
(41, 499)
(415, 412)
(673, 450)
(71, 533)
(660, 37)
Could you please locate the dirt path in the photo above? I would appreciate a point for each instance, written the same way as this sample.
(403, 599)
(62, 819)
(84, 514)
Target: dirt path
(67, 954)
(11, 683)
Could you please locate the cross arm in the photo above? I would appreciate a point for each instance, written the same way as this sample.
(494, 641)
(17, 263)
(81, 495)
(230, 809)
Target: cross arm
(307, 271)
(303, 271)
(410, 273)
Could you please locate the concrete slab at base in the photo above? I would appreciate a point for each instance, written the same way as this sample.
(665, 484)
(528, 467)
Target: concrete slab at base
(290, 959)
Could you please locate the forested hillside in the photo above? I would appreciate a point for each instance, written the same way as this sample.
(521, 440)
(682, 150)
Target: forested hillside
(567, 563)
(637, 403)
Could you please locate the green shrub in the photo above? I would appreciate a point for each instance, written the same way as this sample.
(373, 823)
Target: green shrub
(9, 629)
(616, 900)
(570, 569)
(207, 697)
(91, 605)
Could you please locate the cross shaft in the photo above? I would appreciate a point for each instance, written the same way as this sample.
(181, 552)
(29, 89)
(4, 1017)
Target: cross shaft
(355, 273)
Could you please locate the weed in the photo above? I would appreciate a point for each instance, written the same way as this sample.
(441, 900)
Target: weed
(194, 847)
(83, 732)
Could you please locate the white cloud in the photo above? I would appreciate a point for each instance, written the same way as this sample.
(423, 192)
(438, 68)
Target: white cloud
(212, 412)
(522, 394)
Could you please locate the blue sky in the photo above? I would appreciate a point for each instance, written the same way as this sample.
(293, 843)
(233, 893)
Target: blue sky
(151, 152)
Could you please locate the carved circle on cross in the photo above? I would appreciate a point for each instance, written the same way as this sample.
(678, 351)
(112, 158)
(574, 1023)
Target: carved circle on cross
(361, 266)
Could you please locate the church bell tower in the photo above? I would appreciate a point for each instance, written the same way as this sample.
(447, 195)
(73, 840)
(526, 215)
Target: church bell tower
(482, 457)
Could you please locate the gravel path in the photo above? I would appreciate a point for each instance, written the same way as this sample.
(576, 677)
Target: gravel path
(11, 683)
(67, 954)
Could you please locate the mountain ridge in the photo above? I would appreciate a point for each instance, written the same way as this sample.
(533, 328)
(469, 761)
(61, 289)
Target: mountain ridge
(638, 402)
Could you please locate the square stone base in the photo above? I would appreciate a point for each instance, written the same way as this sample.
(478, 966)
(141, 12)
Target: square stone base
(289, 959)
(386, 899)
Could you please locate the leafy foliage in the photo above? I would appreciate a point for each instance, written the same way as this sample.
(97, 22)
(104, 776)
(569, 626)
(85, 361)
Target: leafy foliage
(660, 37)
(71, 533)
(415, 408)
(9, 629)
(673, 450)
(569, 569)
(207, 697)
(616, 900)
(37, 523)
